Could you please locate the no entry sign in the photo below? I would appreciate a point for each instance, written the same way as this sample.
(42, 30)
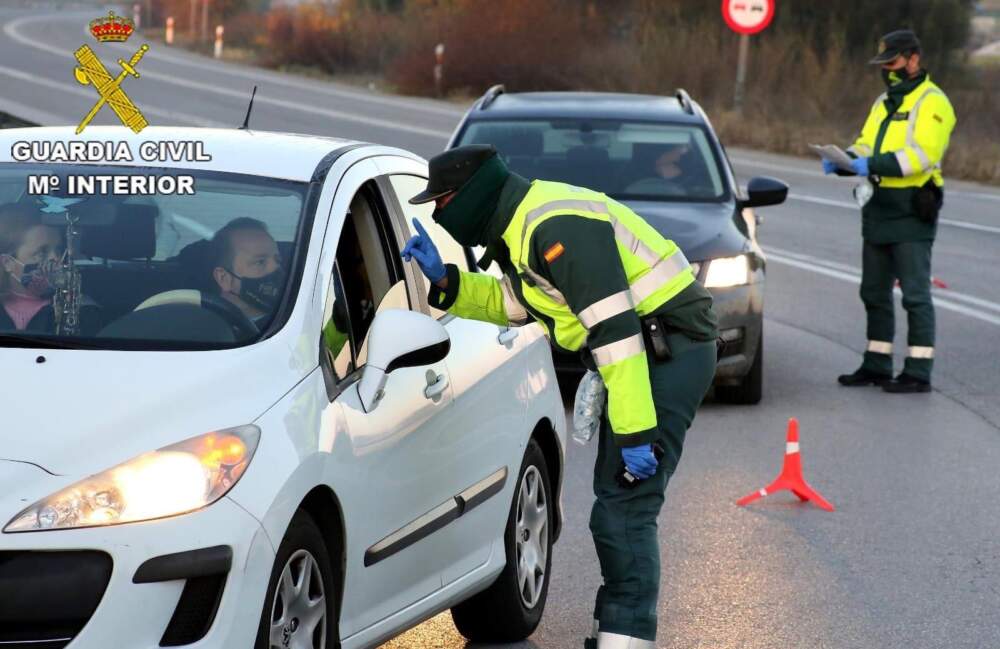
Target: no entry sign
(748, 16)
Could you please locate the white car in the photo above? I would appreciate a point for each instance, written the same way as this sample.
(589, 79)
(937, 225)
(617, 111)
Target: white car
(180, 470)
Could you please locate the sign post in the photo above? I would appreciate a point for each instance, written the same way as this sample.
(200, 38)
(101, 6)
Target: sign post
(746, 17)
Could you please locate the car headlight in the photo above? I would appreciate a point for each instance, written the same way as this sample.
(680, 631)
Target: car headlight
(727, 271)
(173, 480)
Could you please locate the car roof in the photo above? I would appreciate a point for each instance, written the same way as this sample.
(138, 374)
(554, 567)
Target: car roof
(260, 153)
(578, 105)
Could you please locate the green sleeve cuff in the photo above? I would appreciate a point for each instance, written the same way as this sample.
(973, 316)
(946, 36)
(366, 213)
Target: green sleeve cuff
(647, 436)
(443, 299)
(885, 164)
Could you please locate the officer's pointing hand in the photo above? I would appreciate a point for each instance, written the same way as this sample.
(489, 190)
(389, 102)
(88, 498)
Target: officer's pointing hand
(421, 248)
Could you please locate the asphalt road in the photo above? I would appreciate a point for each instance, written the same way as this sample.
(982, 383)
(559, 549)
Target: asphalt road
(911, 557)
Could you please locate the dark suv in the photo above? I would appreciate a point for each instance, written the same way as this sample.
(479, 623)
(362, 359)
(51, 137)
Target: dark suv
(659, 156)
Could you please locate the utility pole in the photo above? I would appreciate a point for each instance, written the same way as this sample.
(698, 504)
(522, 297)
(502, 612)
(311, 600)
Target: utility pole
(204, 20)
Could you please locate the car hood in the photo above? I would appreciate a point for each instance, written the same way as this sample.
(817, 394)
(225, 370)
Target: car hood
(702, 230)
(82, 412)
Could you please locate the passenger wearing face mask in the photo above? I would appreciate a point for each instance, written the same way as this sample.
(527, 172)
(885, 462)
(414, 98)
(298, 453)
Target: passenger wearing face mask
(31, 256)
(247, 268)
(899, 152)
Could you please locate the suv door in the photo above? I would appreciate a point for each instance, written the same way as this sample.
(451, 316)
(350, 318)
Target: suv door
(384, 469)
(488, 371)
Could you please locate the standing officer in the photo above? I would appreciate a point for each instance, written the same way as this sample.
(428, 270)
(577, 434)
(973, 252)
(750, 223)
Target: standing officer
(595, 275)
(899, 151)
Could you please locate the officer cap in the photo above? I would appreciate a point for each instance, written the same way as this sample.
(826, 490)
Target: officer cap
(450, 170)
(895, 43)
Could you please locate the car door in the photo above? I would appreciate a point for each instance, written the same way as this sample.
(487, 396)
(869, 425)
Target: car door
(488, 372)
(384, 468)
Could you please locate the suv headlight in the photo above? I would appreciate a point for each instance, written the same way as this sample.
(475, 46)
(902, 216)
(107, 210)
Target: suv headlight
(175, 479)
(727, 271)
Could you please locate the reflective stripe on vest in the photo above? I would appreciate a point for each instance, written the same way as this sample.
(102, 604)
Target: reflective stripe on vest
(606, 309)
(618, 351)
(904, 161)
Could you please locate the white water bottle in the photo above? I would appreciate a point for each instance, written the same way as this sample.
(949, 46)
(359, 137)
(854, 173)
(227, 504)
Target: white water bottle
(588, 407)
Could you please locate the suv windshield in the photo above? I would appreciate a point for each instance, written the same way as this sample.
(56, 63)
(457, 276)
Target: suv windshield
(201, 271)
(625, 160)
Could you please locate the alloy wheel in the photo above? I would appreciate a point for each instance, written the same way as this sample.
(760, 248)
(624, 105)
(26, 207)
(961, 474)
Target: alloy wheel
(298, 615)
(532, 538)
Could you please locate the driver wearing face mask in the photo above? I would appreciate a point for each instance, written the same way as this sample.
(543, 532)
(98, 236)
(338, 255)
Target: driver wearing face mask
(247, 268)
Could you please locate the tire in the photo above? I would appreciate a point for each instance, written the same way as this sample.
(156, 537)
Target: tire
(751, 389)
(506, 612)
(301, 552)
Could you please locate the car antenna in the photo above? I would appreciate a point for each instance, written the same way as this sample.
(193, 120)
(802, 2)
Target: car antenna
(246, 120)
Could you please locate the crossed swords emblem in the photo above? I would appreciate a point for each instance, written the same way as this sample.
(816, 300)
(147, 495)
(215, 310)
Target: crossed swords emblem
(92, 71)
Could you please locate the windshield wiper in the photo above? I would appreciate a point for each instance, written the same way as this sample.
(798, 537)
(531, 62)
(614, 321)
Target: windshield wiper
(42, 342)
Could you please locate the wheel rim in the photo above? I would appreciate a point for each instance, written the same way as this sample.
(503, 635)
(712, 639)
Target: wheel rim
(532, 532)
(298, 614)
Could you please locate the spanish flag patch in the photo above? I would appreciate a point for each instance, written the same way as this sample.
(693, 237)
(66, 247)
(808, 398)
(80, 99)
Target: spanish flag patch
(554, 252)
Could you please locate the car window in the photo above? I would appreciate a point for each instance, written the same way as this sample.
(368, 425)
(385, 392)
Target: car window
(192, 271)
(627, 160)
(367, 279)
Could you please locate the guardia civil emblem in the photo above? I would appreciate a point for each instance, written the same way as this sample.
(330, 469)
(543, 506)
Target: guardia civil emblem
(90, 71)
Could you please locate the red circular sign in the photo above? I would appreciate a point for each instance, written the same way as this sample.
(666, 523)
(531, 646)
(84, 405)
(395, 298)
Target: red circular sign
(748, 16)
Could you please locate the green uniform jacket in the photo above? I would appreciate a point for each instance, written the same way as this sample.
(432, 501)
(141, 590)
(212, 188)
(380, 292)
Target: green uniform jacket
(905, 136)
(567, 256)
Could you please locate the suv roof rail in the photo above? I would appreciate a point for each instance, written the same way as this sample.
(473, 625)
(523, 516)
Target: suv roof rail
(490, 96)
(684, 99)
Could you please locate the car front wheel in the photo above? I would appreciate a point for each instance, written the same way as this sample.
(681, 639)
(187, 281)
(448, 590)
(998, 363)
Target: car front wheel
(299, 611)
(751, 388)
(510, 609)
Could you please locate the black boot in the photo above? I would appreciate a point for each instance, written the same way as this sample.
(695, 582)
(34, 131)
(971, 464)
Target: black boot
(906, 384)
(864, 377)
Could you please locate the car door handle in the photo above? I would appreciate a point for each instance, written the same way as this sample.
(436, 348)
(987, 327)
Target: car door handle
(436, 385)
(508, 336)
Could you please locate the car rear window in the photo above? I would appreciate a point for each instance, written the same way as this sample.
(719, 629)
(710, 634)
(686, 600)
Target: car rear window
(627, 160)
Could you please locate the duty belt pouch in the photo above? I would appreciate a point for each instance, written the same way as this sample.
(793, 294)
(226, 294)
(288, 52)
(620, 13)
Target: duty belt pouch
(655, 336)
(927, 202)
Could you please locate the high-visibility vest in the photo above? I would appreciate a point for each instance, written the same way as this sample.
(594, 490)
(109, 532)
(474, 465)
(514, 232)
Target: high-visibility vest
(918, 133)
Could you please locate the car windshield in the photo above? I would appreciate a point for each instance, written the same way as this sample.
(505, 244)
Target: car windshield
(625, 160)
(204, 270)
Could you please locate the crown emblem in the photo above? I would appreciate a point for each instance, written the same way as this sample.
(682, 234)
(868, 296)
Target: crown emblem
(112, 28)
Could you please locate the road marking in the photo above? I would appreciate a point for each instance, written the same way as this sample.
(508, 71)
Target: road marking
(76, 89)
(853, 276)
(10, 30)
(854, 208)
(750, 162)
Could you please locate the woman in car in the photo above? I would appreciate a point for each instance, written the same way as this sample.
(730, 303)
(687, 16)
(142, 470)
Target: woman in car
(31, 253)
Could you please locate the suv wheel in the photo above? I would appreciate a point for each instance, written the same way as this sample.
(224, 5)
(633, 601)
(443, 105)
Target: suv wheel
(510, 609)
(299, 610)
(751, 389)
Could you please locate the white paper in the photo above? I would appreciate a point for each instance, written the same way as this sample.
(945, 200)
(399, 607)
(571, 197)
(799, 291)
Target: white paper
(834, 154)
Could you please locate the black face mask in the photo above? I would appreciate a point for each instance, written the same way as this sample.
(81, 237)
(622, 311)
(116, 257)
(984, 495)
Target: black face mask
(262, 292)
(892, 77)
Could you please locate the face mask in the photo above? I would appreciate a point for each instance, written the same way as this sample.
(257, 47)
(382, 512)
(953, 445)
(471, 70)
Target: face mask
(892, 77)
(35, 279)
(262, 292)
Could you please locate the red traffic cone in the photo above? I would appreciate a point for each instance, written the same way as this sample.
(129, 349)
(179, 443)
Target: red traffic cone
(791, 475)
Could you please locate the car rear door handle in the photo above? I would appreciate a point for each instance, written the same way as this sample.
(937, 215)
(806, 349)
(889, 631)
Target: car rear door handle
(436, 385)
(508, 336)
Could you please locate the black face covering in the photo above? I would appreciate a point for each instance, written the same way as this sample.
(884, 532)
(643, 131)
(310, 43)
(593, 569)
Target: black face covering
(262, 292)
(891, 77)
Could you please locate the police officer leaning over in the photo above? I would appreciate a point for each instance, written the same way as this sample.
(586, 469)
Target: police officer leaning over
(899, 151)
(598, 278)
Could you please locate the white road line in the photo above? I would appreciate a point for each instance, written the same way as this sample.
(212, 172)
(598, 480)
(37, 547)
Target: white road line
(76, 89)
(833, 270)
(854, 208)
(10, 30)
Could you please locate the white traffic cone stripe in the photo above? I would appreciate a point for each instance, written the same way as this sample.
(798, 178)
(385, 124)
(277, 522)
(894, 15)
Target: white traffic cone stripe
(763, 492)
(791, 447)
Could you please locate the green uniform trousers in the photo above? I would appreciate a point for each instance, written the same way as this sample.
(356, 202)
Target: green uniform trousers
(881, 265)
(623, 521)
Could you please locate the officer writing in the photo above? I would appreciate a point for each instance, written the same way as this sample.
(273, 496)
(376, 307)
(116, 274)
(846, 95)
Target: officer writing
(600, 279)
(899, 151)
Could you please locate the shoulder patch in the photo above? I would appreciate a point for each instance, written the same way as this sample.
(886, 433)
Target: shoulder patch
(554, 252)
(938, 118)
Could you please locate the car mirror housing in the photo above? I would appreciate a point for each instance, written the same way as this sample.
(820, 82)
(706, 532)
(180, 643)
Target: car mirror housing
(399, 338)
(763, 191)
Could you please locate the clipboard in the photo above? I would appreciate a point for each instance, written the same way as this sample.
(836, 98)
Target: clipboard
(834, 154)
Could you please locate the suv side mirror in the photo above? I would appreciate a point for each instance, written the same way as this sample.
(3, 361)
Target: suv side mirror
(763, 191)
(399, 338)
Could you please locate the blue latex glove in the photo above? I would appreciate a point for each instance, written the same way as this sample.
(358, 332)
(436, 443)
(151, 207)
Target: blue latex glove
(860, 166)
(422, 249)
(640, 461)
(828, 167)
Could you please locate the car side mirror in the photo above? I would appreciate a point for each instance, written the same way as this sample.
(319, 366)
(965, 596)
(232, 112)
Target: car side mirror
(763, 191)
(399, 338)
